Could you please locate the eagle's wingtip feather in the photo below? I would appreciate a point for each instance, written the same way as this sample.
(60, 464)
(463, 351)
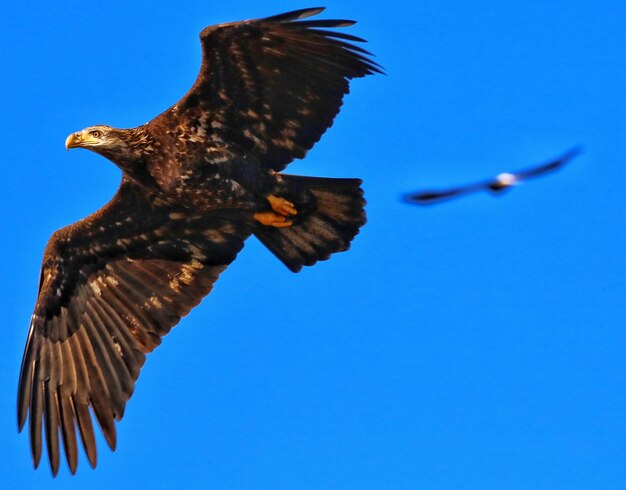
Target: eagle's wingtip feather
(295, 15)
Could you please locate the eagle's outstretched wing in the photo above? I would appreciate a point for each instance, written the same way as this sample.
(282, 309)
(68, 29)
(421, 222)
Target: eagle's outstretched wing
(111, 286)
(271, 86)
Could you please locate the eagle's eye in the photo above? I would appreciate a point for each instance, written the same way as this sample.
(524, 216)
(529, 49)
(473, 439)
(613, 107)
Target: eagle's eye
(96, 133)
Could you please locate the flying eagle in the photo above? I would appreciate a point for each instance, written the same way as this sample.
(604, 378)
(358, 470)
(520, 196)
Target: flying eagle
(496, 185)
(197, 181)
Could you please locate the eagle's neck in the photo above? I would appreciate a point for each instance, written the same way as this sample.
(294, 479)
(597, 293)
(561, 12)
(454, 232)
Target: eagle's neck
(132, 154)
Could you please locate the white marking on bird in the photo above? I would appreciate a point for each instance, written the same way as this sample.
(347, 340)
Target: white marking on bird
(506, 179)
(95, 287)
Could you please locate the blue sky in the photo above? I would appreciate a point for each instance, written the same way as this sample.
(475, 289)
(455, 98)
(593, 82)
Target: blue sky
(479, 343)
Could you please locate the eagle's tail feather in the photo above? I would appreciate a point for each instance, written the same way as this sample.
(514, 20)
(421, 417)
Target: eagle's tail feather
(330, 213)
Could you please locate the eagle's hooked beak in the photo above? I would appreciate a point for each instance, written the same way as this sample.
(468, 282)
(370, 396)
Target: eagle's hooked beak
(73, 140)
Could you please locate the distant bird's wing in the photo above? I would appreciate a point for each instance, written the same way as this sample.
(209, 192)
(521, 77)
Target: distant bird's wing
(434, 196)
(548, 167)
(271, 86)
(498, 184)
(111, 286)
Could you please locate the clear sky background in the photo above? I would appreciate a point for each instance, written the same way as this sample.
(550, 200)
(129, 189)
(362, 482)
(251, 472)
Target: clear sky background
(479, 343)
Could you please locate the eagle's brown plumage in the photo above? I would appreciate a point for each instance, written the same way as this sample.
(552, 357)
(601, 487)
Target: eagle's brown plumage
(197, 181)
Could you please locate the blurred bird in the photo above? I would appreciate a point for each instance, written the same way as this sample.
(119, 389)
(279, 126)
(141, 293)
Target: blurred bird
(497, 185)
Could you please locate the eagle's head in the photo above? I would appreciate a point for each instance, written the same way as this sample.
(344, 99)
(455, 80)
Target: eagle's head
(98, 138)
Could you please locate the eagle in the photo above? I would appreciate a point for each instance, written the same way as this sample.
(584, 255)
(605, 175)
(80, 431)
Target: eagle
(495, 185)
(197, 181)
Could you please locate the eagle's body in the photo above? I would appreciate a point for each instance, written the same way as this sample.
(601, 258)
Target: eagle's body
(191, 171)
(198, 180)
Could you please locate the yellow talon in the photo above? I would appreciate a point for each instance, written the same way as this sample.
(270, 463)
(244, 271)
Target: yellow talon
(272, 219)
(282, 206)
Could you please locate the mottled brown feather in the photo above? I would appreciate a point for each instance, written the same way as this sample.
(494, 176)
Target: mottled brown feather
(101, 309)
(272, 86)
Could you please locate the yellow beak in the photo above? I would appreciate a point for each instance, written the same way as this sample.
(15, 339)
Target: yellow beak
(73, 140)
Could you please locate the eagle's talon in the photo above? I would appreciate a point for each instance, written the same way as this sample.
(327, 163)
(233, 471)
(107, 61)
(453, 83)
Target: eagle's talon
(282, 206)
(272, 219)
